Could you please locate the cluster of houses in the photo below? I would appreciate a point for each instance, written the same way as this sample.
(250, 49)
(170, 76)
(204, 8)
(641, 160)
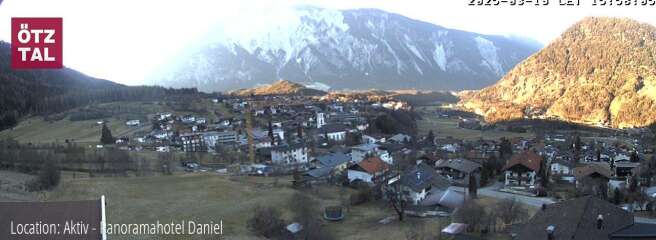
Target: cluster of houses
(330, 142)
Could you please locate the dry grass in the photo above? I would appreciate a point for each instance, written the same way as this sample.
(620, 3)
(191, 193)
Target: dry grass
(443, 127)
(37, 130)
(12, 187)
(208, 197)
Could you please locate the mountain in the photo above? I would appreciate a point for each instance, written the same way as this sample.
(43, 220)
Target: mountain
(27, 91)
(281, 87)
(601, 71)
(342, 49)
(52, 91)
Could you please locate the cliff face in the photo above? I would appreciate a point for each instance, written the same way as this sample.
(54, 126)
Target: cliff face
(601, 71)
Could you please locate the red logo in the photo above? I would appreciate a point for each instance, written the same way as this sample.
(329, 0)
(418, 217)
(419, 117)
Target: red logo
(36, 43)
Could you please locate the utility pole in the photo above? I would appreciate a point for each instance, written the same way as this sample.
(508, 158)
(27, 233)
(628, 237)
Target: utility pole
(249, 133)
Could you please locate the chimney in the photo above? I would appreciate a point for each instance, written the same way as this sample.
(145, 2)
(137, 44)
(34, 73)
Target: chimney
(600, 221)
(550, 232)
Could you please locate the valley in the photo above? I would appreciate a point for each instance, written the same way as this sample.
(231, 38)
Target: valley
(307, 122)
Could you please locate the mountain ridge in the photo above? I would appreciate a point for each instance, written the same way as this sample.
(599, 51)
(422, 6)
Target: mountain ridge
(600, 71)
(280, 87)
(345, 49)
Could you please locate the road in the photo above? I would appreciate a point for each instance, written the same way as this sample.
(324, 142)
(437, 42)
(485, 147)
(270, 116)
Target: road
(492, 191)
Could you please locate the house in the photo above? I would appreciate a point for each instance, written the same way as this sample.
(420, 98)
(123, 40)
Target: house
(160, 134)
(193, 142)
(581, 218)
(188, 119)
(279, 134)
(321, 119)
(635, 231)
(334, 132)
(362, 151)
(625, 168)
(373, 138)
(370, 170)
(163, 116)
(592, 176)
(333, 160)
(122, 140)
(522, 169)
(417, 183)
(201, 120)
(326, 166)
(400, 138)
(162, 149)
(561, 166)
(458, 171)
(263, 142)
(213, 138)
(450, 147)
(359, 152)
(133, 123)
(318, 175)
(290, 154)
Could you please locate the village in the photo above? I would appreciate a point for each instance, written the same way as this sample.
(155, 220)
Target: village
(374, 147)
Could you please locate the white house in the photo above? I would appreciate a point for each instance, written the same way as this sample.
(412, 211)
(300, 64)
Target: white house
(291, 154)
(133, 123)
(419, 181)
(370, 138)
(188, 119)
(363, 151)
(280, 133)
(359, 152)
(562, 168)
(321, 119)
(335, 132)
(522, 169)
(212, 138)
(451, 147)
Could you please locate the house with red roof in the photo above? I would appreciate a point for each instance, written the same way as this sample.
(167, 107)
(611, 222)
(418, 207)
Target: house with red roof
(370, 170)
(521, 171)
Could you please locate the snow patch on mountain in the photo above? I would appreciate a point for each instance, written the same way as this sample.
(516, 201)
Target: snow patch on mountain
(439, 56)
(488, 51)
(354, 49)
(318, 86)
(283, 31)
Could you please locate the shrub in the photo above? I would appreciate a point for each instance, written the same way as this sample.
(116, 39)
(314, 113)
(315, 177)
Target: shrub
(48, 178)
(266, 222)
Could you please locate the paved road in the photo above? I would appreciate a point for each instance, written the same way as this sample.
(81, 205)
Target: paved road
(645, 220)
(491, 191)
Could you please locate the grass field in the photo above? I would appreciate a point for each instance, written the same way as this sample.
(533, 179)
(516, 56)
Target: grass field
(204, 197)
(209, 197)
(12, 187)
(38, 130)
(444, 127)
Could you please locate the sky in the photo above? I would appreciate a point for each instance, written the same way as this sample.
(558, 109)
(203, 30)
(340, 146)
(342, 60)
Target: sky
(125, 40)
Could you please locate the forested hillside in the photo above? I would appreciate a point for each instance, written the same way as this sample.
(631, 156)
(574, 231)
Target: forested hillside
(42, 92)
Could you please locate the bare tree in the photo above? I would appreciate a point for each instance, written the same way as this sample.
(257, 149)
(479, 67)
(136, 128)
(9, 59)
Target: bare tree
(305, 212)
(511, 211)
(472, 214)
(265, 222)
